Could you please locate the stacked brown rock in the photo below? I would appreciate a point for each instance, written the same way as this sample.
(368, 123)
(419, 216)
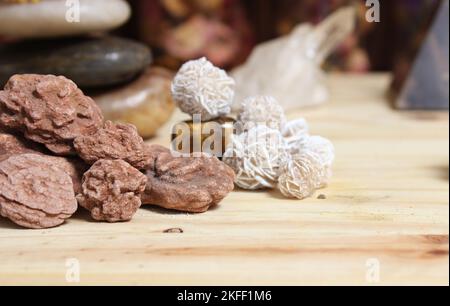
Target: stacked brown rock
(39, 187)
(114, 141)
(49, 110)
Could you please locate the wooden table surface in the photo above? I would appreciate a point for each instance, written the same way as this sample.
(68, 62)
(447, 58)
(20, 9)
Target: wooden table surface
(385, 219)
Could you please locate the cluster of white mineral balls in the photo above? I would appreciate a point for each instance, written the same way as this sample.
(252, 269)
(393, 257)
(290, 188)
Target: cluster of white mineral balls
(267, 151)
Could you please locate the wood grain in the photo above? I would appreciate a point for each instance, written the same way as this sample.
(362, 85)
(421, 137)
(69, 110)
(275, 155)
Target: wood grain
(388, 201)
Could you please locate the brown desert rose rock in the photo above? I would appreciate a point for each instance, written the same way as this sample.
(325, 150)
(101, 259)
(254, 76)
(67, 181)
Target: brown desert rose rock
(14, 145)
(153, 151)
(34, 192)
(72, 166)
(114, 141)
(190, 184)
(48, 109)
(111, 190)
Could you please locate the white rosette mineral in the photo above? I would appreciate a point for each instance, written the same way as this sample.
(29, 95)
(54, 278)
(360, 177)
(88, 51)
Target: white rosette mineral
(257, 157)
(201, 88)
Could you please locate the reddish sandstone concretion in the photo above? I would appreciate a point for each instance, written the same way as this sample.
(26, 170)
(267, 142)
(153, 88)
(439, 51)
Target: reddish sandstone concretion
(191, 184)
(35, 193)
(14, 145)
(72, 166)
(48, 109)
(113, 141)
(111, 190)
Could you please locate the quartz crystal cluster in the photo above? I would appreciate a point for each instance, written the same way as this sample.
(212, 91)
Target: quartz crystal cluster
(289, 67)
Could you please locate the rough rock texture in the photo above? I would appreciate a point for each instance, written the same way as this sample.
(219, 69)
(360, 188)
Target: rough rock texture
(301, 176)
(154, 150)
(262, 110)
(14, 145)
(322, 150)
(72, 166)
(200, 88)
(257, 156)
(113, 141)
(48, 109)
(191, 184)
(35, 193)
(111, 190)
(293, 132)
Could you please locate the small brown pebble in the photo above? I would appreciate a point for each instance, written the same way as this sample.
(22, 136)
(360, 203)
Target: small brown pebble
(321, 197)
(114, 141)
(175, 230)
(34, 192)
(48, 109)
(190, 184)
(111, 190)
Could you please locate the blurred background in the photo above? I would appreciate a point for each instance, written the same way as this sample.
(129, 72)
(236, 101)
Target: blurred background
(226, 30)
(150, 39)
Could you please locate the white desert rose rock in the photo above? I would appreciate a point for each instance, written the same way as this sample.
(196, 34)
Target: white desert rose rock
(301, 175)
(294, 131)
(201, 88)
(263, 110)
(257, 157)
(312, 159)
(316, 144)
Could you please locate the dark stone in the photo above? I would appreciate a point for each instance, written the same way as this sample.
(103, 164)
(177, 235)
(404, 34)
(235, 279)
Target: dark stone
(89, 62)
